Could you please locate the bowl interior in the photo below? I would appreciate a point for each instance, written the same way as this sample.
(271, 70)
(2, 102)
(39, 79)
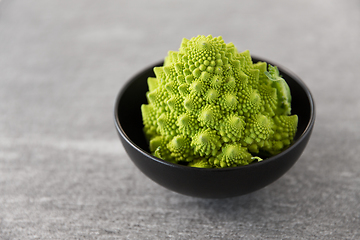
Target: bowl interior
(133, 95)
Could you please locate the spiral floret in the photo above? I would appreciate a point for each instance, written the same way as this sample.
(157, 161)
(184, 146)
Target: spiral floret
(210, 106)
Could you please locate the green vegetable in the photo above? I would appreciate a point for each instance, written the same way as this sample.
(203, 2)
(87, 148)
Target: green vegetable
(210, 106)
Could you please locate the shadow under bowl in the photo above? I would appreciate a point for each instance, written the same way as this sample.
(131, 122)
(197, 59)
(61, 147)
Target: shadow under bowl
(209, 183)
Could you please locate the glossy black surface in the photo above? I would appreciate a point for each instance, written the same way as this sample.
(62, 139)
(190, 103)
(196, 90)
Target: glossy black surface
(208, 183)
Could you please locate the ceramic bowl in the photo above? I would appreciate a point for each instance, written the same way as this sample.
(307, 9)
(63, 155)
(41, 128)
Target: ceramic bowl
(209, 183)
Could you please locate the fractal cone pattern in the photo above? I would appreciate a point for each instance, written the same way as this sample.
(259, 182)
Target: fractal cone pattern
(210, 106)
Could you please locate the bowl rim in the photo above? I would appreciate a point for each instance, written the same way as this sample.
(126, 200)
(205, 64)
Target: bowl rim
(283, 69)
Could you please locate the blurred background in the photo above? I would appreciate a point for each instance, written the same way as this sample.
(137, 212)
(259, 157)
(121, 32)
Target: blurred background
(63, 171)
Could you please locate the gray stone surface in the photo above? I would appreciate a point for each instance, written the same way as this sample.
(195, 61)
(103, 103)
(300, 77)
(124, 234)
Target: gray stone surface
(63, 171)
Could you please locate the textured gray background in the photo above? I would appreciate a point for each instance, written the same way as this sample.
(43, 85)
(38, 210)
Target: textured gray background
(63, 171)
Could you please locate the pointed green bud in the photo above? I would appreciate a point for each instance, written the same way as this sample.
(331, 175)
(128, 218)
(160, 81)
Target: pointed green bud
(212, 95)
(152, 83)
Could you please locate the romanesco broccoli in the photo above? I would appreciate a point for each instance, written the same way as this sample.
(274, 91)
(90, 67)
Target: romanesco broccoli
(210, 106)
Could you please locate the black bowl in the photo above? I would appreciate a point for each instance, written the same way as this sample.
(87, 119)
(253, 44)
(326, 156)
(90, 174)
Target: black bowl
(208, 183)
